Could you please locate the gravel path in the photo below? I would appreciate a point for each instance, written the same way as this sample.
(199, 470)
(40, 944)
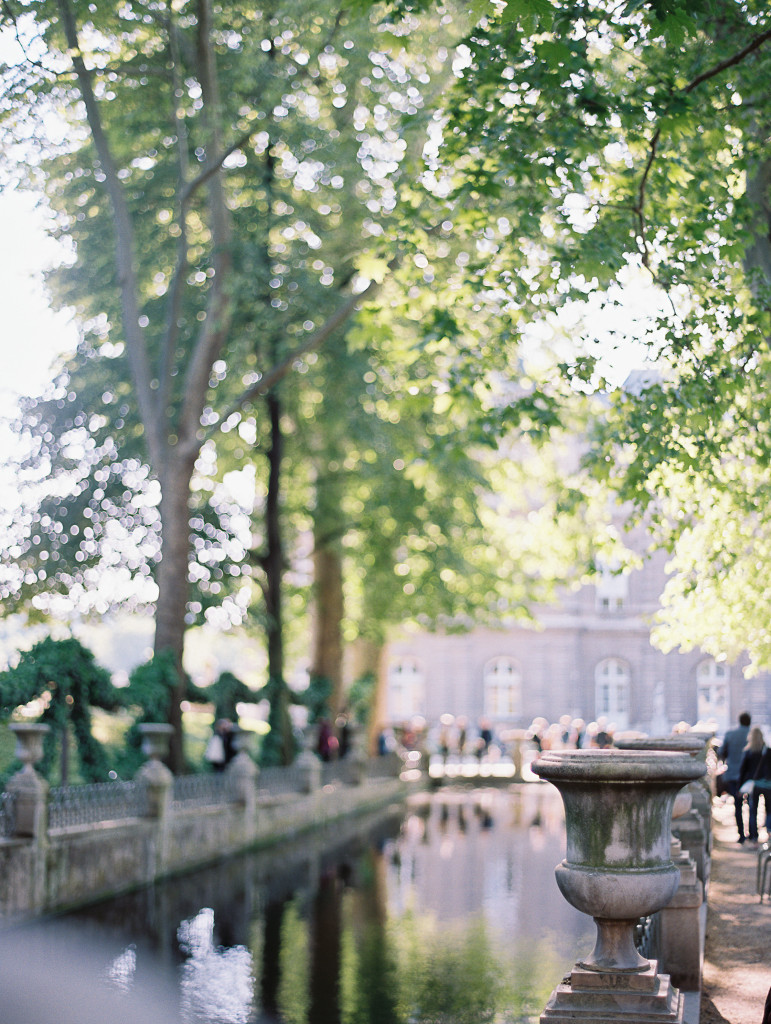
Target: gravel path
(737, 958)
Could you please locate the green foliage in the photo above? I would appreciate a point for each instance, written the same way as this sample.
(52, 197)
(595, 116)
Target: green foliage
(278, 745)
(316, 698)
(360, 698)
(149, 694)
(64, 675)
(150, 688)
(225, 693)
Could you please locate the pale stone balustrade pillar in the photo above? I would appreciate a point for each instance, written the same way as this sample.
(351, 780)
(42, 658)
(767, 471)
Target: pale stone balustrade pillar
(154, 774)
(244, 774)
(308, 764)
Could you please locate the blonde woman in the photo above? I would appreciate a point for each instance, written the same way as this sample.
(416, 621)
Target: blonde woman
(752, 767)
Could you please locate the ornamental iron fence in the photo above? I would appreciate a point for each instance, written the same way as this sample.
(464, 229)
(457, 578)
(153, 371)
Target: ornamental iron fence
(203, 790)
(95, 802)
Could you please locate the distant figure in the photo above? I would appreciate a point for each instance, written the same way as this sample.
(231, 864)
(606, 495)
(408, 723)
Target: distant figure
(344, 733)
(461, 735)
(219, 749)
(485, 738)
(731, 753)
(327, 745)
(386, 742)
(755, 765)
(604, 736)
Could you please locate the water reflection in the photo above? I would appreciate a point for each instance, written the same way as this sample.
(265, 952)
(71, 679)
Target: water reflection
(446, 912)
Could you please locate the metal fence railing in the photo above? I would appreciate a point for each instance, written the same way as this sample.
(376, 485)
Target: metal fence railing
(114, 801)
(282, 781)
(101, 801)
(203, 790)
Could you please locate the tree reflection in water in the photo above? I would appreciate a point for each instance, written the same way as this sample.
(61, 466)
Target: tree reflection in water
(447, 913)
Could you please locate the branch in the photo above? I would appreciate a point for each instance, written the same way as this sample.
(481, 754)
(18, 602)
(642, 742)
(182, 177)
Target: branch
(219, 306)
(705, 76)
(166, 356)
(730, 62)
(315, 341)
(136, 348)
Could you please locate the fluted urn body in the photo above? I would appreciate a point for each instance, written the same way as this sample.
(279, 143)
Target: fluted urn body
(618, 866)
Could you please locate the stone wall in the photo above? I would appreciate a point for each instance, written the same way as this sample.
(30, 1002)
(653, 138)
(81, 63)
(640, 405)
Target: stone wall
(62, 868)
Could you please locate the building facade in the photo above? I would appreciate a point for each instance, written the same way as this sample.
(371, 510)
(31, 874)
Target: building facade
(589, 656)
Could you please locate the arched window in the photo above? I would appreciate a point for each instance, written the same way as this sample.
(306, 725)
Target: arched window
(611, 689)
(712, 694)
(406, 689)
(611, 590)
(503, 688)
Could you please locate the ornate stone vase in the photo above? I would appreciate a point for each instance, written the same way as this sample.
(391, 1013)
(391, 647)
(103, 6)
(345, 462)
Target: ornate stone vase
(29, 742)
(618, 866)
(155, 740)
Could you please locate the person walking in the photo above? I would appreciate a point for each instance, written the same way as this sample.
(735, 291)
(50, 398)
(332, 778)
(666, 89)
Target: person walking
(731, 753)
(749, 771)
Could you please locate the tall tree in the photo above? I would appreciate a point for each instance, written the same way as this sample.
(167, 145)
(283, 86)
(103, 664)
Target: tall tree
(167, 108)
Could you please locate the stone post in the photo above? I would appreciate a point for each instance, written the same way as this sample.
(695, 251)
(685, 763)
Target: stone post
(308, 765)
(243, 774)
(680, 938)
(518, 740)
(358, 755)
(30, 790)
(158, 782)
(618, 868)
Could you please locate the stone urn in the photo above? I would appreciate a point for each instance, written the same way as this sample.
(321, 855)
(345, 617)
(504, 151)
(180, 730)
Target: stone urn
(29, 742)
(155, 740)
(618, 866)
(29, 790)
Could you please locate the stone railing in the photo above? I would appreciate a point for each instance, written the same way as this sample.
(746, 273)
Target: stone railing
(64, 846)
(7, 815)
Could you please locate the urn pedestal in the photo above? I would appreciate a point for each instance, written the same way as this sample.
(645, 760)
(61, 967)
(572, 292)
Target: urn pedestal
(618, 869)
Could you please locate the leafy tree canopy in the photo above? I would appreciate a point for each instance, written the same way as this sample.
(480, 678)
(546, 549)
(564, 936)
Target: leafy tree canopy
(632, 143)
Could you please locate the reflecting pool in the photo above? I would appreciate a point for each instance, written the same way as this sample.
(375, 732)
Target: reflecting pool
(445, 910)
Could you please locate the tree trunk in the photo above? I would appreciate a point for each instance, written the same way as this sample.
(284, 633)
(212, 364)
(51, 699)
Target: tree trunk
(329, 604)
(273, 560)
(327, 627)
(173, 588)
(281, 740)
(369, 660)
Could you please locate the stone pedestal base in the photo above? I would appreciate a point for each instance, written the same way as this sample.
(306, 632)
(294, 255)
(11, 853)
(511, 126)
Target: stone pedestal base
(690, 831)
(604, 997)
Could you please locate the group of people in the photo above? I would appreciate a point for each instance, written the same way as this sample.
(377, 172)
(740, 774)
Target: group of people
(571, 734)
(747, 759)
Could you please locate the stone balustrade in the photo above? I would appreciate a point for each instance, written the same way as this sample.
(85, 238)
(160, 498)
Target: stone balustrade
(65, 846)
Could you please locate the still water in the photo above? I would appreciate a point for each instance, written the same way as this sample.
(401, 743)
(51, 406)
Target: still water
(445, 910)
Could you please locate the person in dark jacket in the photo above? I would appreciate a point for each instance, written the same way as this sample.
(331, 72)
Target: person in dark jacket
(755, 764)
(731, 752)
